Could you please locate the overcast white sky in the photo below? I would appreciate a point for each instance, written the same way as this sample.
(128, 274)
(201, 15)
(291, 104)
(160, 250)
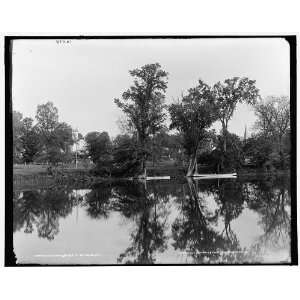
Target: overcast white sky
(84, 76)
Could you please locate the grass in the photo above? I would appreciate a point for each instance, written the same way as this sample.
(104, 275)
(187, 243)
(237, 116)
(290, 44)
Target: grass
(36, 175)
(33, 169)
(29, 169)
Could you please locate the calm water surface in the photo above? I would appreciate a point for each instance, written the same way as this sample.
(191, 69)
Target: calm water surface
(173, 222)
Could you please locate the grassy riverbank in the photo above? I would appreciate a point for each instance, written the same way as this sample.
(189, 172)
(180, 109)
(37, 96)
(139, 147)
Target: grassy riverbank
(37, 175)
(31, 176)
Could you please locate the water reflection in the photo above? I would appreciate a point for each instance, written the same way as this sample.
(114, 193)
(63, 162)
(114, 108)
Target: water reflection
(147, 206)
(97, 201)
(193, 230)
(42, 208)
(275, 217)
(213, 221)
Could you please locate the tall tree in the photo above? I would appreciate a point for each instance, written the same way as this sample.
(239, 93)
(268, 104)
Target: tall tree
(143, 104)
(56, 138)
(47, 121)
(192, 117)
(47, 116)
(228, 94)
(273, 123)
(62, 137)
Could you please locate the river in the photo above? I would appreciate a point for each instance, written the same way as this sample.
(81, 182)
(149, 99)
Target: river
(228, 221)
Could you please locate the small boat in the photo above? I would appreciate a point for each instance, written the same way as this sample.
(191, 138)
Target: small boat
(208, 176)
(159, 178)
(151, 178)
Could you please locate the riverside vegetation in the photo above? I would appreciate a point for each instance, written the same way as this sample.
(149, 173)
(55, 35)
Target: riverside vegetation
(147, 145)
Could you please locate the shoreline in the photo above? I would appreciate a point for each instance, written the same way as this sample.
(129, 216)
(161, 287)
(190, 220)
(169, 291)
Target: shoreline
(85, 178)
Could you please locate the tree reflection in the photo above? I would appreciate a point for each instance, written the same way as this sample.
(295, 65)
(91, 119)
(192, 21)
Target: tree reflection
(98, 201)
(42, 209)
(149, 211)
(203, 226)
(26, 209)
(194, 231)
(194, 234)
(271, 200)
(229, 195)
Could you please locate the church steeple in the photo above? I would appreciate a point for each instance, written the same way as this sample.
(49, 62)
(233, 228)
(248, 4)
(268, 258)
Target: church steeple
(245, 133)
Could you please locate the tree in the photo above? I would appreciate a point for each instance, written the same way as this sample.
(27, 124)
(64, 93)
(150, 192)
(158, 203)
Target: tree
(125, 162)
(99, 147)
(273, 123)
(47, 117)
(258, 150)
(192, 117)
(143, 104)
(47, 121)
(125, 126)
(231, 160)
(30, 141)
(228, 94)
(56, 138)
(17, 132)
(62, 137)
(165, 146)
(98, 144)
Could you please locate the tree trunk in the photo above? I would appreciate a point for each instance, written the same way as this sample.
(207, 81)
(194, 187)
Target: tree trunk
(224, 129)
(281, 156)
(193, 166)
(142, 174)
(152, 153)
(225, 138)
(221, 165)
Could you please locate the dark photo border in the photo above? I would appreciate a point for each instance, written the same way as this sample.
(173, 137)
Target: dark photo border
(10, 259)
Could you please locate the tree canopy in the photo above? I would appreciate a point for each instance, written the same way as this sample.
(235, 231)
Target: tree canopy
(143, 104)
(46, 140)
(192, 117)
(228, 94)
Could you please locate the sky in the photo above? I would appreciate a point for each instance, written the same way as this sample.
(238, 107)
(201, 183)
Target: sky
(82, 77)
